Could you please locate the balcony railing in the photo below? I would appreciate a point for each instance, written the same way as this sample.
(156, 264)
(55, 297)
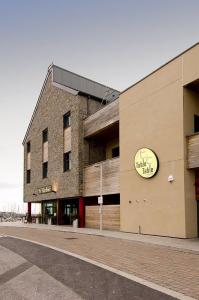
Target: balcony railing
(193, 151)
(102, 119)
(110, 178)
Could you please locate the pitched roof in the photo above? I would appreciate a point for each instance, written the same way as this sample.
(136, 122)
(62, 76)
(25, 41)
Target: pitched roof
(74, 82)
(154, 71)
(83, 85)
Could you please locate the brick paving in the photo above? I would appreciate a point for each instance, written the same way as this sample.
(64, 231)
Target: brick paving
(173, 268)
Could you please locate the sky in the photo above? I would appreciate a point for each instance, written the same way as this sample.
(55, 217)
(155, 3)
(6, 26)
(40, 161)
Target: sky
(113, 42)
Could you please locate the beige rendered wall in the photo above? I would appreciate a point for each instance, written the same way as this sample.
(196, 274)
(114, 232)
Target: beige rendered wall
(158, 113)
(190, 68)
(151, 115)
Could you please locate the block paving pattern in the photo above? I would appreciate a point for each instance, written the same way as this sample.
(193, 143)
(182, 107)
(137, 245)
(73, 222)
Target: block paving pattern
(176, 269)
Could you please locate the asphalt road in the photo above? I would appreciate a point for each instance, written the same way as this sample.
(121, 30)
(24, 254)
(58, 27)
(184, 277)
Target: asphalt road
(31, 271)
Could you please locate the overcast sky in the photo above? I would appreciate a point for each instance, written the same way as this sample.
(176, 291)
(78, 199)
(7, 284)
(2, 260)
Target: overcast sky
(113, 42)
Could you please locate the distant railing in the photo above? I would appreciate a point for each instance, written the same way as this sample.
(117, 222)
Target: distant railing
(102, 119)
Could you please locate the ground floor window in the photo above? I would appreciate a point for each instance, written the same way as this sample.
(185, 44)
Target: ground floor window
(70, 213)
(60, 212)
(49, 212)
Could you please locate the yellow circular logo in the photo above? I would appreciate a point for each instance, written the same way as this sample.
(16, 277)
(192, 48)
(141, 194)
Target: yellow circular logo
(146, 163)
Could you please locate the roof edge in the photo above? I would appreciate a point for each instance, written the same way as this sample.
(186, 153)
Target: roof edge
(49, 71)
(162, 66)
(37, 104)
(106, 86)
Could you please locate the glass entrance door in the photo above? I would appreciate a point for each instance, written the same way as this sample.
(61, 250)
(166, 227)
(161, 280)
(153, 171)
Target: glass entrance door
(70, 213)
(49, 212)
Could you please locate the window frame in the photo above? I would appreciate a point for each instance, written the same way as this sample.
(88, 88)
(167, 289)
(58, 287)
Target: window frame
(115, 149)
(28, 147)
(67, 162)
(68, 123)
(45, 135)
(28, 176)
(45, 170)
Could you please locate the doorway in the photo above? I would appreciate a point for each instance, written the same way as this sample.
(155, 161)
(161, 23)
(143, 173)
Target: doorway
(49, 212)
(68, 211)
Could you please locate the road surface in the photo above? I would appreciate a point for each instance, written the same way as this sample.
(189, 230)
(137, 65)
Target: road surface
(31, 271)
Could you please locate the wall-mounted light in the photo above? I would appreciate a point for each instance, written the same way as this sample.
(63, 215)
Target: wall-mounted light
(170, 178)
(54, 187)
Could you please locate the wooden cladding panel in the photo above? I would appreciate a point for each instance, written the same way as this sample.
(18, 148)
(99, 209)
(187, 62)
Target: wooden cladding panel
(45, 152)
(110, 178)
(193, 151)
(111, 217)
(102, 119)
(28, 161)
(67, 139)
(91, 180)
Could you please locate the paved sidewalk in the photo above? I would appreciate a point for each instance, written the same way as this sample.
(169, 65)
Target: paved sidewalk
(175, 268)
(43, 273)
(20, 279)
(188, 244)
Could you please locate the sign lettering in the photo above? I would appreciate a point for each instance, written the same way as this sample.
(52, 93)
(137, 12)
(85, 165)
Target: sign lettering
(146, 163)
(45, 189)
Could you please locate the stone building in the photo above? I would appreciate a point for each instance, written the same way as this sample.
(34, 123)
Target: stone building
(138, 149)
(56, 150)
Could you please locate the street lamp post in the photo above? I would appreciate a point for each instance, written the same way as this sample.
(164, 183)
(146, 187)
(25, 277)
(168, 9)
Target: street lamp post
(100, 198)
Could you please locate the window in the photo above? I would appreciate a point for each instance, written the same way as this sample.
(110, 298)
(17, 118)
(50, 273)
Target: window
(45, 170)
(45, 135)
(67, 120)
(49, 208)
(28, 176)
(28, 147)
(196, 123)
(28, 157)
(45, 153)
(67, 161)
(115, 152)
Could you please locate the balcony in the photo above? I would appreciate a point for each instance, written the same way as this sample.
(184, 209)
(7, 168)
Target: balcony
(193, 151)
(110, 178)
(103, 119)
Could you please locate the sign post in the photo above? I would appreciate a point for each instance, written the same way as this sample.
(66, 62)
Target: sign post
(100, 202)
(100, 199)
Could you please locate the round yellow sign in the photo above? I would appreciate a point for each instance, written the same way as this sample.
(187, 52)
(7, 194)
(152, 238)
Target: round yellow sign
(146, 163)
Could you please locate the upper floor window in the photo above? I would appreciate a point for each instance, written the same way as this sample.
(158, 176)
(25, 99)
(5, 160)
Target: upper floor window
(45, 154)
(196, 123)
(115, 152)
(67, 161)
(67, 120)
(45, 169)
(28, 176)
(45, 135)
(28, 162)
(28, 147)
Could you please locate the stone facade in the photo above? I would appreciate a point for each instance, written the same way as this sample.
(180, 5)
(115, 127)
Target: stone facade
(53, 104)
